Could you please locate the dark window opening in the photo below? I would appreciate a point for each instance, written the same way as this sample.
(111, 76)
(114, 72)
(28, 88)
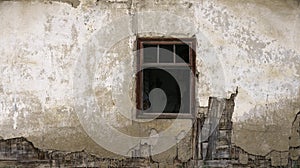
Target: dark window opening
(167, 65)
(182, 50)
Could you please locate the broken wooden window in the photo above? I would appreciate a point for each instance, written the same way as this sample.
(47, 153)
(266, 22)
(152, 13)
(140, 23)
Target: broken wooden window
(167, 64)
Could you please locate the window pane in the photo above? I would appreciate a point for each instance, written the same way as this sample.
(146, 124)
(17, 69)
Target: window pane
(183, 79)
(158, 78)
(182, 51)
(150, 53)
(166, 53)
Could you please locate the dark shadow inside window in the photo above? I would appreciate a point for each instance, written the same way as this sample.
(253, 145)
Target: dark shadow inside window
(182, 51)
(159, 78)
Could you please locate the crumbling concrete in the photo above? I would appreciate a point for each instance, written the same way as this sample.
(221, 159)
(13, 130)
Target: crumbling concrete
(216, 150)
(21, 152)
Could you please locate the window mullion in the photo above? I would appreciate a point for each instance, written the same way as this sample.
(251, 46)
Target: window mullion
(157, 53)
(174, 54)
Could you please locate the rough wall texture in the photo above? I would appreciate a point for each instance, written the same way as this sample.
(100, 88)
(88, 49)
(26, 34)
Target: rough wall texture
(215, 150)
(252, 45)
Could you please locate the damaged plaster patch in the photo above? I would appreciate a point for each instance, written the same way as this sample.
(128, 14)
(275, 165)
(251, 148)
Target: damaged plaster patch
(21, 152)
(73, 3)
(257, 44)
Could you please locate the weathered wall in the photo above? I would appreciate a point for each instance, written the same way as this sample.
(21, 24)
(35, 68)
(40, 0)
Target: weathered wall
(46, 51)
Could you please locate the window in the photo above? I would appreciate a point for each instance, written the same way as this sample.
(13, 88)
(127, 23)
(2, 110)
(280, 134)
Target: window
(165, 80)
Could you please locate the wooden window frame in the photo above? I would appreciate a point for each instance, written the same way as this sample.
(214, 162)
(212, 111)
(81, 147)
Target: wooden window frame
(139, 78)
